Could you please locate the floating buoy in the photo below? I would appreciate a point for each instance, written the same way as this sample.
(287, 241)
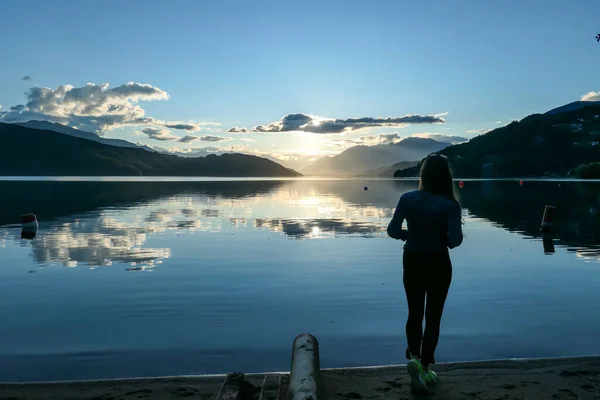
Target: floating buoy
(366, 188)
(29, 221)
(28, 234)
(461, 184)
(29, 226)
(521, 182)
(548, 219)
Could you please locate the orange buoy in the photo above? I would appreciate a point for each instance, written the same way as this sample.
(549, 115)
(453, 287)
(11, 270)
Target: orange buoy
(29, 221)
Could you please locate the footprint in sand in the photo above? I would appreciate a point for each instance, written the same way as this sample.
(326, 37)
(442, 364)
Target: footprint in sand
(587, 386)
(393, 384)
(184, 392)
(575, 373)
(350, 395)
(140, 393)
(525, 383)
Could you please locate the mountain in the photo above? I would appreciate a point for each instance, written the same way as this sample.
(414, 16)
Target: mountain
(67, 130)
(295, 162)
(388, 172)
(550, 144)
(358, 159)
(576, 105)
(25, 152)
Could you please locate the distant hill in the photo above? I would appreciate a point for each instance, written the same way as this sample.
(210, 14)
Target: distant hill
(550, 144)
(576, 105)
(358, 159)
(26, 152)
(299, 161)
(388, 172)
(67, 130)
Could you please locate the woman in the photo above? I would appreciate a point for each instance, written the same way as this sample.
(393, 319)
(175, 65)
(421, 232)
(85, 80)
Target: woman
(434, 224)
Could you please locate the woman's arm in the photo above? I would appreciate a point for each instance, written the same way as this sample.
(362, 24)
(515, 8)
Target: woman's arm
(394, 229)
(455, 235)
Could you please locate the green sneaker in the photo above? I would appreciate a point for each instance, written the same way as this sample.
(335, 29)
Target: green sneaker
(418, 382)
(431, 377)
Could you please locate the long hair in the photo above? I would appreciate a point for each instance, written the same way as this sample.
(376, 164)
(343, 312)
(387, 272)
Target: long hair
(436, 177)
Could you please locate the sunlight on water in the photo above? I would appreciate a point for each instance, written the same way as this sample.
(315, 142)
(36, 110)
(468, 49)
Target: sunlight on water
(150, 278)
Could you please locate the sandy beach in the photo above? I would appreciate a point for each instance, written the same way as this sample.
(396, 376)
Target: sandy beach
(569, 378)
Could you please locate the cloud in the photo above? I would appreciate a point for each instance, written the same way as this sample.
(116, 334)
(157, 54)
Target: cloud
(93, 107)
(591, 96)
(210, 138)
(26, 78)
(238, 130)
(185, 127)
(308, 123)
(478, 131)
(188, 138)
(393, 138)
(157, 134)
(442, 138)
(384, 138)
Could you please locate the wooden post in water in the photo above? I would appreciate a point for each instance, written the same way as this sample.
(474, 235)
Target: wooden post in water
(548, 219)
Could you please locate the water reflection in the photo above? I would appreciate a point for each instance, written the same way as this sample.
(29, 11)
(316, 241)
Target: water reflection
(316, 228)
(519, 209)
(100, 223)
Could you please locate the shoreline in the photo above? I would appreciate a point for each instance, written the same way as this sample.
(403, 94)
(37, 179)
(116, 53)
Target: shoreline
(543, 378)
(208, 178)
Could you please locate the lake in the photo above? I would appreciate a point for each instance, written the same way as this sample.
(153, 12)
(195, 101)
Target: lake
(147, 278)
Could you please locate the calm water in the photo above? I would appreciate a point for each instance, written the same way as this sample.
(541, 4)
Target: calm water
(162, 278)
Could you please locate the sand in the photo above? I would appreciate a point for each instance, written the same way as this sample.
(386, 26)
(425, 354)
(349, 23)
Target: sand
(574, 378)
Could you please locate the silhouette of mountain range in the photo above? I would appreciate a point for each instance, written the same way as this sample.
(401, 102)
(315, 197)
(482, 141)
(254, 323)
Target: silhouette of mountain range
(67, 130)
(358, 160)
(388, 172)
(26, 151)
(550, 144)
(576, 105)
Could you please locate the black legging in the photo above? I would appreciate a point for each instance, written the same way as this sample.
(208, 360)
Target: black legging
(425, 274)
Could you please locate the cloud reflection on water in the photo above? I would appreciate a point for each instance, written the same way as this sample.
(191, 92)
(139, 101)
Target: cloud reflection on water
(120, 232)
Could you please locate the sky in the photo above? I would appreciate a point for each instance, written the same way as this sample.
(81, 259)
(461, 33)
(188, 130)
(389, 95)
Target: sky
(294, 78)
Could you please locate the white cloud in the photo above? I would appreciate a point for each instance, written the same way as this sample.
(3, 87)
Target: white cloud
(478, 131)
(383, 138)
(392, 138)
(591, 96)
(440, 137)
(157, 134)
(211, 138)
(93, 107)
(238, 130)
(182, 126)
(188, 138)
(300, 122)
